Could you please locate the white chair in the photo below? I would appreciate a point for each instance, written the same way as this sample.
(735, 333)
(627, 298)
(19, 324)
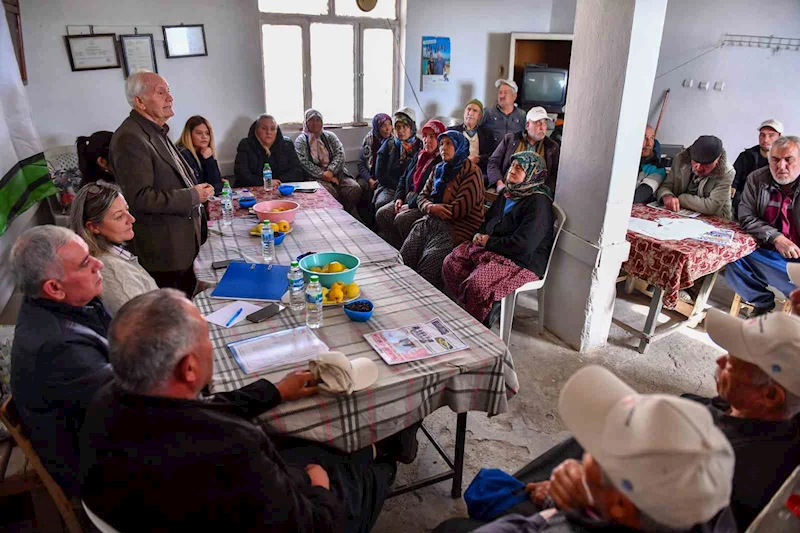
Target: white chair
(510, 301)
(98, 522)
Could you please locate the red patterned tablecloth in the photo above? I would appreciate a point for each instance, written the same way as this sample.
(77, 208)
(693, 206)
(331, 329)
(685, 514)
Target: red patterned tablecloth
(675, 265)
(321, 199)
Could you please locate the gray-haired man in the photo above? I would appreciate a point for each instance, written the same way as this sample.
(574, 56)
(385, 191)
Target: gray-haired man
(59, 358)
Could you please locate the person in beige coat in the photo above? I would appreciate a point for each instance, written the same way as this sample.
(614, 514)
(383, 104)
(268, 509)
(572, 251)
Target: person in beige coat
(700, 179)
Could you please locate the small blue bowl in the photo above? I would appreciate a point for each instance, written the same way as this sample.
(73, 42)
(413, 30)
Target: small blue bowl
(247, 202)
(279, 238)
(359, 316)
(286, 190)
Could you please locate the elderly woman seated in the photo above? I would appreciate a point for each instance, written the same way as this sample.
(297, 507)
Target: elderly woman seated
(394, 220)
(512, 246)
(265, 143)
(373, 140)
(99, 214)
(452, 201)
(395, 157)
(321, 157)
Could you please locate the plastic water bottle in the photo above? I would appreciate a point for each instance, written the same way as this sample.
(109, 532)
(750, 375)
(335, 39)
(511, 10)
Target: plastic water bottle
(314, 303)
(267, 242)
(226, 187)
(296, 288)
(267, 177)
(227, 209)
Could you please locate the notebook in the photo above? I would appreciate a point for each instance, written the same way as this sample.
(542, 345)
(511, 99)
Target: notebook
(253, 281)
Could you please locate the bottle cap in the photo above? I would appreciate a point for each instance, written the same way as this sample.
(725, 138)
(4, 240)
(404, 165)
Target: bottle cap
(295, 263)
(314, 278)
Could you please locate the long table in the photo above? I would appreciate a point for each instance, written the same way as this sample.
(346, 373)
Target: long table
(321, 199)
(481, 378)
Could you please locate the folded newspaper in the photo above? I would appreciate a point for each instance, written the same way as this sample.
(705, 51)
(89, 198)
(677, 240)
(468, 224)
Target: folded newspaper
(722, 237)
(413, 343)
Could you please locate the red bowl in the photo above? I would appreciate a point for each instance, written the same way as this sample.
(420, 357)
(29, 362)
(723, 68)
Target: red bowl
(264, 210)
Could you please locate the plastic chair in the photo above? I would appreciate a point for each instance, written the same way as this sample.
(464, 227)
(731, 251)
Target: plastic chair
(98, 522)
(10, 417)
(509, 302)
(60, 158)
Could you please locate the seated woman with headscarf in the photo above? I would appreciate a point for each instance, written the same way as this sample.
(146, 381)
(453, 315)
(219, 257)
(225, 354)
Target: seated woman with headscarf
(321, 157)
(265, 143)
(93, 157)
(394, 220)
(512, 246)
(395, 157)
(373, 140)
(453, 202)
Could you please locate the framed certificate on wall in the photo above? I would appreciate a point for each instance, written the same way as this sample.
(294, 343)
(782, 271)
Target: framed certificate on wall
(185, 41)
(138, 52)
(92, 52)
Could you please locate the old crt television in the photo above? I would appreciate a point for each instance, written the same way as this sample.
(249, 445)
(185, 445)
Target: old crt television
(544, 86)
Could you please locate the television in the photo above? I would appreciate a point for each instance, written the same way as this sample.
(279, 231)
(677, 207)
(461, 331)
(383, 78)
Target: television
(544, 86)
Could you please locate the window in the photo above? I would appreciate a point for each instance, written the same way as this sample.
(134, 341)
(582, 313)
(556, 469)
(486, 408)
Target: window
(329, 55)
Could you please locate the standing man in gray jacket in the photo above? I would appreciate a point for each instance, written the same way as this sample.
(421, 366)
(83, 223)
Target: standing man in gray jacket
(159, 186)
(767, 213)
(700, 179)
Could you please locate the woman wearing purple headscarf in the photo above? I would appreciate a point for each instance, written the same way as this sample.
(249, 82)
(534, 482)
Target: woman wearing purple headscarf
(381, 130)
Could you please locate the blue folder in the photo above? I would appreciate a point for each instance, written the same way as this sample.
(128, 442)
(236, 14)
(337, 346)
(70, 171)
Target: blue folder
(253, 281)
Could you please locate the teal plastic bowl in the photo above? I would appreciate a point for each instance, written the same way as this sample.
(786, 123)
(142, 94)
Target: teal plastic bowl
(350, 262)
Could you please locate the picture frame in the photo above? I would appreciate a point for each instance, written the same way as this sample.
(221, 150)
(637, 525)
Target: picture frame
(138, 52)
(96, 51)
(185, 40)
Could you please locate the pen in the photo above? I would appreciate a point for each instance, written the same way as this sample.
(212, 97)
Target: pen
(234, 317)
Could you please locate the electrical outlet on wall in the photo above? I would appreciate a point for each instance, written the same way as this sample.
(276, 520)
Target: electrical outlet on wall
(719, 86)
(703, 85)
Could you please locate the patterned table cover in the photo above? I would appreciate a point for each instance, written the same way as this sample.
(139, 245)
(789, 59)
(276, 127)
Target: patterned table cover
(481, 378)
(314, 230)
(321, 199)
(675, 265)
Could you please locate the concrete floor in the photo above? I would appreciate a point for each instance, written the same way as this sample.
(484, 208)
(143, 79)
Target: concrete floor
(681, 362)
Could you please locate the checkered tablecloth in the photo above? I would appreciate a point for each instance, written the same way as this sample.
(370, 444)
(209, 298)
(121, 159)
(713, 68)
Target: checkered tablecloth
(675, 265)
(321, 199)
(481, 378)
(314, 230)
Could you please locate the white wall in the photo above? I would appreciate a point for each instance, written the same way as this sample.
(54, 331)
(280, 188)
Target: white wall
(480, 34)
(225, 87)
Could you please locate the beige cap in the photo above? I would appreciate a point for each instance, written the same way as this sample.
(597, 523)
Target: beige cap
(537, 113)
(776, 125)
(510, 83)
(771, 342)
(663, 452)
(339, 375)
(407, 111)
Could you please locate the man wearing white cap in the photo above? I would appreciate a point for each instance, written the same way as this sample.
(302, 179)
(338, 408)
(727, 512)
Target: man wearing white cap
(767, 212)
(534, 138)
(754, 158)
(155, 455)
(505, 117)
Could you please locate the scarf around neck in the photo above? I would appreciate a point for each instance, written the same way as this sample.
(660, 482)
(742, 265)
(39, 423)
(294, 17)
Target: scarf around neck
(445, 171)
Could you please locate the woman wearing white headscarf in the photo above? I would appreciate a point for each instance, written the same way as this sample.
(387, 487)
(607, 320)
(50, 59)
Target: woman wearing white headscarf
(321, 157)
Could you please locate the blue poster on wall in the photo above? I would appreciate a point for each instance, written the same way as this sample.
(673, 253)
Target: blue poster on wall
(435, 61)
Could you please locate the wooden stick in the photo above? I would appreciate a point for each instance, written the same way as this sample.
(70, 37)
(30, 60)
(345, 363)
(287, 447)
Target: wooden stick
(661, 114)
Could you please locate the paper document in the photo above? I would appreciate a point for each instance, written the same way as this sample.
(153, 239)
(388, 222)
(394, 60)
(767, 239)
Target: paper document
(221, 317)
(305, 185)
(412, 343)
(683, 212)
(670, 229)
(287, 347)
(722, 237)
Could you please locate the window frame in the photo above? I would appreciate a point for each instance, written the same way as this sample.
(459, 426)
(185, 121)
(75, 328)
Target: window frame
(359, 24)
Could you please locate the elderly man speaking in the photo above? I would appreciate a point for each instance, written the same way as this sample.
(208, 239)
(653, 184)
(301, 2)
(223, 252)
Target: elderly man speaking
(159, 185)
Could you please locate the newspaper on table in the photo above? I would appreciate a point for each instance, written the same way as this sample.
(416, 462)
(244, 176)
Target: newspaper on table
(413, 343)
(274, 350)
(721, 237)
(688, 213)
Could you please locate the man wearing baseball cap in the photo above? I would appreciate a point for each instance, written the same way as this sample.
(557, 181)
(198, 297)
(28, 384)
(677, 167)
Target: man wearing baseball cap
(700, 179)
(754, 157)
(505, 117)
(534, 138)
(767, 213)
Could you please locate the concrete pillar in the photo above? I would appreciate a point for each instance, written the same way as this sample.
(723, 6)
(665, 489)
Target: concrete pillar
(613, 64)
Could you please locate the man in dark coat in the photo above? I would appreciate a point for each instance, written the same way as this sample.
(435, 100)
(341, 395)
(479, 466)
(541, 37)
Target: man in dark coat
(159, 186)
(480, 137)
(754, 158)
(59, 358)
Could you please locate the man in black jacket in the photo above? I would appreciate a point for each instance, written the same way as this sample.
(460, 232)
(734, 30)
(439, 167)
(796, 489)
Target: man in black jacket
(480, 137)
(59, 358)
(754, 158)
(154, 456)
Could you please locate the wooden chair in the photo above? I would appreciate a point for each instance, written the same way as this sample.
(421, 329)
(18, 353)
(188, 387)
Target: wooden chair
(10, 417)
(738, 304)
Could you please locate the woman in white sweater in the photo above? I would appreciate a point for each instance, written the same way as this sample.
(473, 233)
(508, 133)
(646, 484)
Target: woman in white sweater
(99, 214)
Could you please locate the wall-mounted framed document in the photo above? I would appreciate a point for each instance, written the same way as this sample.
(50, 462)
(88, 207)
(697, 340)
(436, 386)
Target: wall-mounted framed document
(92, 52)
(186, 40)
(138, 52)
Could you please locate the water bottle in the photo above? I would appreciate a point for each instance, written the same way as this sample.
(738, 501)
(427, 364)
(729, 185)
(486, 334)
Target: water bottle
(296, 288)
(267, 177)
(227, 209)
(314, 303)
(226, 187)
(267, 242)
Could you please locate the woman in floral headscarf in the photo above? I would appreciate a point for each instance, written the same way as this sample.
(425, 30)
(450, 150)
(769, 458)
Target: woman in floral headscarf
(394, 157)
(512, 246)
(452, 201)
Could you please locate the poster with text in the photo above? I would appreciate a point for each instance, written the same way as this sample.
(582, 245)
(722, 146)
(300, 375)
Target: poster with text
(435, 62)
